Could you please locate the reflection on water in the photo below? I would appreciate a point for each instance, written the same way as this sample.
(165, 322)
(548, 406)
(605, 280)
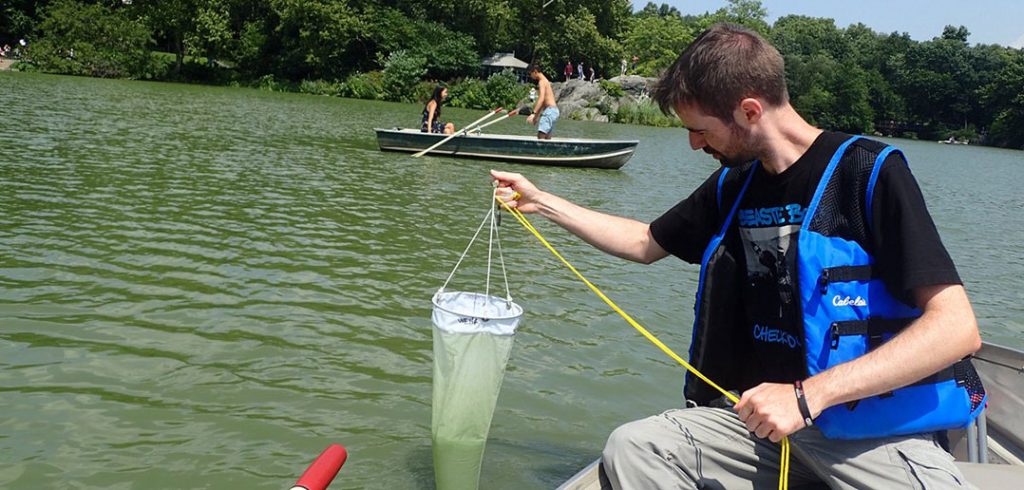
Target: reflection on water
(204, 287)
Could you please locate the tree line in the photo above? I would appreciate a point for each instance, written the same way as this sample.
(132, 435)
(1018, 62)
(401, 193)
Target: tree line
(849, 79)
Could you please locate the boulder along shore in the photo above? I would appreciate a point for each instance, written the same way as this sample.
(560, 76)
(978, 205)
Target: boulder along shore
(589, 101)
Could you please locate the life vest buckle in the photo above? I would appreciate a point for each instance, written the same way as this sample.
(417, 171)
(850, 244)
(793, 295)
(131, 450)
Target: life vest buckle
(823, 281)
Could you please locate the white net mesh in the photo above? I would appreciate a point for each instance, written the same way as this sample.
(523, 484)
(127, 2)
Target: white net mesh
(473, 336)
(461, 312)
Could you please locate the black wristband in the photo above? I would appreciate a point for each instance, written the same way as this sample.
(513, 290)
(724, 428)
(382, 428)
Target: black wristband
(801, 402)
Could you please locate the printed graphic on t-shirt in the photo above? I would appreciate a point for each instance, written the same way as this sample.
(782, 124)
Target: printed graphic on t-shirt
(773, 216)
(769, 243)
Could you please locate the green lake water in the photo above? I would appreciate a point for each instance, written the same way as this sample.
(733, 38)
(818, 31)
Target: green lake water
(204, 287)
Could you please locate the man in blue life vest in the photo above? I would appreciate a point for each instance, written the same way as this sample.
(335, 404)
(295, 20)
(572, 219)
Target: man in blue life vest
(826, 298)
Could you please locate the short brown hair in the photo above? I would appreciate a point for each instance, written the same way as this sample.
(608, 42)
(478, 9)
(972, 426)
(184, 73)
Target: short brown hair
(724, 65)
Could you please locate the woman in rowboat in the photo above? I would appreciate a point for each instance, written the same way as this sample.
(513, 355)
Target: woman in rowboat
(432, 113)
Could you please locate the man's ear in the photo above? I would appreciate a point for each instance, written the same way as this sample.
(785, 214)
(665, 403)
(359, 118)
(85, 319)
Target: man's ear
(749, 111)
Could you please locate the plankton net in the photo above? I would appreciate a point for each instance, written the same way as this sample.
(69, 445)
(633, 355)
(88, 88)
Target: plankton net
(473, 336)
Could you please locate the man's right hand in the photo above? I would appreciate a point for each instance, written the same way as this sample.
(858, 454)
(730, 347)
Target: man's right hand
(622, 237)
(516, 191)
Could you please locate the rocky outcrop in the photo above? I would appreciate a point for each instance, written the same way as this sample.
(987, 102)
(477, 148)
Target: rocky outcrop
(635, 85)
(589, 101)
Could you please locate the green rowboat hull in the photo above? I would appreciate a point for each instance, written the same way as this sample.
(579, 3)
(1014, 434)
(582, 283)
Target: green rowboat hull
(565, 152)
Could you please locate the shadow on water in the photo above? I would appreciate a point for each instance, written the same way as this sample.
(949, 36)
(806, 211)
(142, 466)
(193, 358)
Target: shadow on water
(420, 464)
(548, 465)
(503, 457)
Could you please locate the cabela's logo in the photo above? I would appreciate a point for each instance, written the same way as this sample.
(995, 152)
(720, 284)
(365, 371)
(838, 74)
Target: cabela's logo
(848, 301)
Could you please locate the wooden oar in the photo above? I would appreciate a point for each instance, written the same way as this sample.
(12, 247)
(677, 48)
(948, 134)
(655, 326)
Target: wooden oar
(463, 130)
(523, 111)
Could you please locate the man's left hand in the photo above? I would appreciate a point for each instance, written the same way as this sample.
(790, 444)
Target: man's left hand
(770, 410)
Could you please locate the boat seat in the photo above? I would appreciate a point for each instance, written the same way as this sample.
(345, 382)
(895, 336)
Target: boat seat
(993, 476)
(983, 476)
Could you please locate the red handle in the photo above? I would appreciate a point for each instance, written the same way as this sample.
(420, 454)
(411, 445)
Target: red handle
(319, 474)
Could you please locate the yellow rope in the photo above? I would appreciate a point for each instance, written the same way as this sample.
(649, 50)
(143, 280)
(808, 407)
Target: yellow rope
(521, 218)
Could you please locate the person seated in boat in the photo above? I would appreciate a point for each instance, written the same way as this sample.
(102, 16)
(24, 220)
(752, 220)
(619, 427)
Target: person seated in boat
(432, 113)
(826, 302)
(545, 111)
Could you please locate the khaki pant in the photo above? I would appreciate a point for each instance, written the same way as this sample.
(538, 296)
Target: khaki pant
(709, 448)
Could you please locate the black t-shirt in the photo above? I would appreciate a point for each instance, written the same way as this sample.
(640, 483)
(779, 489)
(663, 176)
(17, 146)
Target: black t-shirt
(903, 240)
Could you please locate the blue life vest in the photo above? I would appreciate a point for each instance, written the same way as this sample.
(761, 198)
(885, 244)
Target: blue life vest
(846, 307)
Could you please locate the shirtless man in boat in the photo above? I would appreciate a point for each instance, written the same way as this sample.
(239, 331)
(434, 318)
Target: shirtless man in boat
(545, 111)
(854, 348)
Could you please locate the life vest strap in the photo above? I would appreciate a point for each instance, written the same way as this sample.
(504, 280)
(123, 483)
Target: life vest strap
(845, 273)
(957, 371)
(874, 328)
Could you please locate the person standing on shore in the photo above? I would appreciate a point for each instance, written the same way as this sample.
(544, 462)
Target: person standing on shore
(545, 110)
(568, 70)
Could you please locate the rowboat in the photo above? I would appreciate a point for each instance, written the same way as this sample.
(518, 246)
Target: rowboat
(990, 452)
(565, 152)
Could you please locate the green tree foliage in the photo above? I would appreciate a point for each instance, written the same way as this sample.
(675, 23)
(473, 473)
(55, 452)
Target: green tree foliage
(315, 37)
(1006, 92)
(798, 35)
(826, 83)
(448, 53)
(959, 34)
(500, 90)
(864, 46)
(211, 33)
(748, 13)
(663, 10)
(570, 30)
(578, 39)
(830, 95)
(939, 82)
(493, 24)
(887, 106)
(248, 48)
(84, 39)
(364, 86)
(402, 71)
(172, 21)
(470, 93)
(504, 90)
(644, 112)
(656, 41)
(611, 88)
(18, 19)
(852, 78)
